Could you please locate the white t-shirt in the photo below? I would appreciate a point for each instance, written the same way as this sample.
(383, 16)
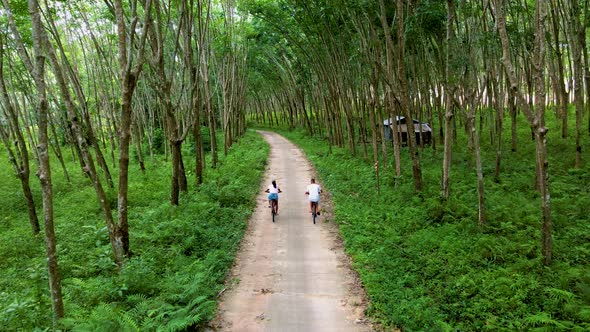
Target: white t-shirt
(273, 190)
(314, 192)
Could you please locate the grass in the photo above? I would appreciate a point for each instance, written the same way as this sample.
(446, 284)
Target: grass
(427, 266)
(181, 255)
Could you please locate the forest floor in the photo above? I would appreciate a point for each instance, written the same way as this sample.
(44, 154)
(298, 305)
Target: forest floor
(291, 275)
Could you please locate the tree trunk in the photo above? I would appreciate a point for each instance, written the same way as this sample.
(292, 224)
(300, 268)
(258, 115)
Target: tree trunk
(138, 145)
(23, 176)
(500, 97)
(204, 46)
(129, 75)
(395, 132)
(389, 93)
(371, 110)
(175, 178)
(44, 172)
(513, 114)
(58, 151)
(449, 96)
(576, 36)
(195, 101)
(88, 133)
(586, 62)
(404, 100)
(536, 118)
(121, 233)
(478, 164)
(562, 94)
(80, 141)
(20, 157)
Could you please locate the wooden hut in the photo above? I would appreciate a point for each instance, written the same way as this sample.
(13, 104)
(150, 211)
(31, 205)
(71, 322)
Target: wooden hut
(422, 130)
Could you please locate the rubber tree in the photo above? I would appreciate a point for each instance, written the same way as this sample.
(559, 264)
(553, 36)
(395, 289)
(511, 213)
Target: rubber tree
(189, 30)
(536, 115)
(130, 67)
(15, 144)
(76, 127)
(204, 55)
(403, 100)
(389, 83)
(164, 80)
(577, 36)
(449, 101)
(44, 172)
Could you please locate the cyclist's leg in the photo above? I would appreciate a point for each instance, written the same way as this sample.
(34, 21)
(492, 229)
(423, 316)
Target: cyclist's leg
(311, 205)
(271, 197)
(275, 203)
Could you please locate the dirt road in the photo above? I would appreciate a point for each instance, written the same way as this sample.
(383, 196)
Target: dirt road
(291, 275)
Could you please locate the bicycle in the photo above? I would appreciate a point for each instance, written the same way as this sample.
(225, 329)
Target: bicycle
(314, 208)
(273, 210)
(273, 198)
(313, 191)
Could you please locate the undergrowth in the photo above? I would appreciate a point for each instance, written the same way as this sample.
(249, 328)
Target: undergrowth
(181, 254)
(427, 266)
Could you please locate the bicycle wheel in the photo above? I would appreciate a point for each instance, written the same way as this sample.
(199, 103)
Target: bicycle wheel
(314, 208)
(273, 210)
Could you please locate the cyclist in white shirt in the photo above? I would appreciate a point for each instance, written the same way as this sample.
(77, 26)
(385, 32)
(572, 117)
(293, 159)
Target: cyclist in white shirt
(313, 191)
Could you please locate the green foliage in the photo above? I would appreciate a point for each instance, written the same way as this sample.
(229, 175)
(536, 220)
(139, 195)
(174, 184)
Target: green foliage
(433, 269)
(158, 140)
(205, 138)
(20, 13)
(181, 255)
(428, 20)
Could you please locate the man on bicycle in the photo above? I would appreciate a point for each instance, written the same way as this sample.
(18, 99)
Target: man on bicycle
(273, 191)
(313, 191)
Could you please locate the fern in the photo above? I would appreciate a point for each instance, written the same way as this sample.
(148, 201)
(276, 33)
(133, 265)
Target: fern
(542, 319)
(181, 323)
(129, 322)
(584, 313)
(560, 294)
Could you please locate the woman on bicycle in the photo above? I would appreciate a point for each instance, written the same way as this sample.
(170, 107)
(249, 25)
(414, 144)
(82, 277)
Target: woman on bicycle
(273, 191)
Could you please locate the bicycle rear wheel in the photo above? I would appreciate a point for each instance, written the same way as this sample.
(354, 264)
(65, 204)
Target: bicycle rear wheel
(273, 210)
(314, 208)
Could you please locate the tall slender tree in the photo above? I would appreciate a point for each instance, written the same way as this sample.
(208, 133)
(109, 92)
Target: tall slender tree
(402, 10)
(19, 157)
(44, 172)
(536, 116)
(449, 101)
(130, 68)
